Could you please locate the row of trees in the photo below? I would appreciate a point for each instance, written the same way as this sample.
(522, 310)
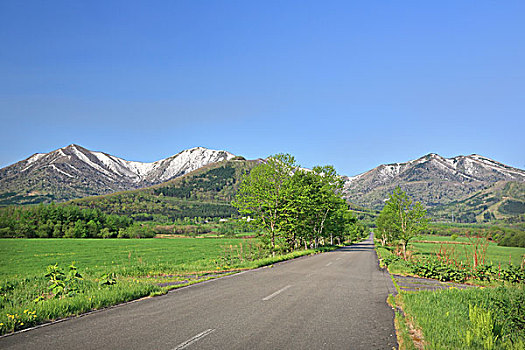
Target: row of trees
(61, 221)
(147, 204)
(293, 207)
(400, 220)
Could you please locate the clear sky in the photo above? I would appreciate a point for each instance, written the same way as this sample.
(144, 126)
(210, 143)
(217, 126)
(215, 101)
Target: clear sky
(350, 83)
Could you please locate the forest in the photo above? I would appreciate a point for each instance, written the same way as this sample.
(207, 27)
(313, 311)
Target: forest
(57, 221)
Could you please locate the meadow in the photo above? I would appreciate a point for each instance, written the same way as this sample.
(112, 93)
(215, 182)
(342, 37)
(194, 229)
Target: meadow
(27, 257)
(459, 249)
(47, 279)
(495, 254)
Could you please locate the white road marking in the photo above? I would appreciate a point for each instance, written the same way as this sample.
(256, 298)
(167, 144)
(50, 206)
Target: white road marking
(274, 294)
(330, 263)
(194, 339)
(338, 258)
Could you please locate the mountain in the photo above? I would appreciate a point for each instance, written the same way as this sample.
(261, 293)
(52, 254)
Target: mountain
(75, 172)
(431, 179)
(205, 192)
(501, 201)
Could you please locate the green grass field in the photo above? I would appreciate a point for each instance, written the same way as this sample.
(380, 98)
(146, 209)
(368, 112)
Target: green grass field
(495, 254)
(27, 257)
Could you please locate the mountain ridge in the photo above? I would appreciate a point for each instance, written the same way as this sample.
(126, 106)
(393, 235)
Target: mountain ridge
(74, 171)
(430, 179)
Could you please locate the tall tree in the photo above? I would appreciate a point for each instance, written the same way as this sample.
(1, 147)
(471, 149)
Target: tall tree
(402, 219)
(263, 194)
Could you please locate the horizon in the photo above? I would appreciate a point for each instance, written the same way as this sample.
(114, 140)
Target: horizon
(353, 85)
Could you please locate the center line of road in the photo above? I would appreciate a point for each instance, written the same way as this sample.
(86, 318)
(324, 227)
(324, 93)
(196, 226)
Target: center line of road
(194, 339)
(330, 263)
(274, 294)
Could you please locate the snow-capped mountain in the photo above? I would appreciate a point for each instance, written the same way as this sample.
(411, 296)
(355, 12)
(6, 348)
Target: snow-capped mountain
(431, 179)
(74, 171)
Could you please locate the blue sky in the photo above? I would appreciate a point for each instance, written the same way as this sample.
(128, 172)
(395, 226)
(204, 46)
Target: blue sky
(347, 83)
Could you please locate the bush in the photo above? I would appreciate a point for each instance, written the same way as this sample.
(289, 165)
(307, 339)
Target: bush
(436, 269)
(514, 238)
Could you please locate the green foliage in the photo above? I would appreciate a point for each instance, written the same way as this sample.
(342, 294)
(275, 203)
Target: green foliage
(483, 332)
(433, 268)
(513, 238)
(474, 318)
(146, 206)
(61, 283)
(264, 192)
(203, 186)
(57, 221)
(512, 207)
(400, 220)
(108, 279)
(460, 272)
(293, 207)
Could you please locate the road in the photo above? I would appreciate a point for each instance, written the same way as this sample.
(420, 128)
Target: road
(334, 300)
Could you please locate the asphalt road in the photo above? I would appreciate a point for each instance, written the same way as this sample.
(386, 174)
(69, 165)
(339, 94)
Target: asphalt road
(334, 300)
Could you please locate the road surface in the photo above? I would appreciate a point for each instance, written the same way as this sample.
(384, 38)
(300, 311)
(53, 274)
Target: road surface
(334, 300)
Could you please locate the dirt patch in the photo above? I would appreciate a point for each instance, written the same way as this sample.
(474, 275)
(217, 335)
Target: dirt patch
(415, 284)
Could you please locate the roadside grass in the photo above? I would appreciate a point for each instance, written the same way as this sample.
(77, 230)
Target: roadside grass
(426, 247)
(474, 318)
(404, 338)
(111, 271)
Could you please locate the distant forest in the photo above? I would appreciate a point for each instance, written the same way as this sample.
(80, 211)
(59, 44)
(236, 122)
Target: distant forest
(59, 221)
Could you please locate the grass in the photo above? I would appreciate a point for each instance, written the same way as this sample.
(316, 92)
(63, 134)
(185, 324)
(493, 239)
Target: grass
(132, 257)
(447, 321)
(113, 271)
(475, 318)
(495, 254)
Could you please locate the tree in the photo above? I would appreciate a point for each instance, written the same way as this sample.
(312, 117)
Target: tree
(384, 225)
(263, 194)
(320, 200)
(401, 219)
(293, 206)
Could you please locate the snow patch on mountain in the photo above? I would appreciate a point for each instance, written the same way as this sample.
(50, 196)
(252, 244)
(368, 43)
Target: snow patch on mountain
(52, 166)
(35, 157)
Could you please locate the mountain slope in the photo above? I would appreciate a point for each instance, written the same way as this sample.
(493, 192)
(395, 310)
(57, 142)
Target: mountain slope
(205, 192)
(431, 179)
(74, 171)
(500, 201)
